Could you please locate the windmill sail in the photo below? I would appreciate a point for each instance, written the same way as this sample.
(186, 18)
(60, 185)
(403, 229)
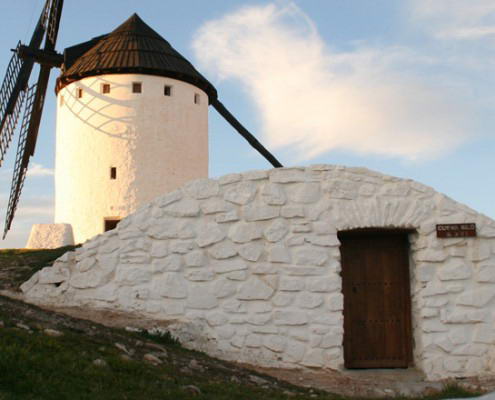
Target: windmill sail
(14, 90)
(8, 114)
(22, 160)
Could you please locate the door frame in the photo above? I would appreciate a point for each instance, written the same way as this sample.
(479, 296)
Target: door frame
(404, 232)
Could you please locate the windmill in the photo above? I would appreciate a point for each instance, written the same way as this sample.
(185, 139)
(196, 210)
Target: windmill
(17, 92)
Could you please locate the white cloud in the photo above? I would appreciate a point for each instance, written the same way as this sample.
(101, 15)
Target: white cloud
(457, 19)
(38, 170)
(313, 99)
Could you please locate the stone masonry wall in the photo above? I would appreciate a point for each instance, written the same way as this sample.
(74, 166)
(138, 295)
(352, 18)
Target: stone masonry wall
(248, 268)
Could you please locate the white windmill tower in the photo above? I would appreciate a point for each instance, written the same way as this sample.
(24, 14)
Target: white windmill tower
(132, 124)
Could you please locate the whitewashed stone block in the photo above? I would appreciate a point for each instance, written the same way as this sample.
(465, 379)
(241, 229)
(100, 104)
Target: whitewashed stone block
(217, 319)
(224, 288)
(324, 285)
(291, 284)
(159, 249)
(245, 232)
(258, 319)
(200, 298)
(323, 240)
(255, 289)
(313, 358)
(310, 300)
(171, 263)
(202, 188)
(295, 351)
(230, 216)
(168, 229)
(255, 175)
(257, 212)
(305, 193)
(195, 259)
(241, 193)
(476, 298)
(275, 343)
(213, 206)
(484, 333)
(273, 194)
(251, 251)
(230, 178)
(336, 302)
(287, 175)
(184, 208)
(203, 275)
(455, 269)
(237, 275)
(431, 255)
(52, 275)
(486, 273)
(225, 266)
(235, 306)
(171, 285)
(292, 212)
(133, 275)
(310, 256)
(276, 230)
(223, 250)
(279, 254)
(479, 251)
(282, 299)
(290, 318)
(209, 234)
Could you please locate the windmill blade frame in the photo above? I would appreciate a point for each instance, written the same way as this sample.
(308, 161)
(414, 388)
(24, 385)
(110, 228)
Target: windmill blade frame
(48, 23)
(21, 162)
(16, 81)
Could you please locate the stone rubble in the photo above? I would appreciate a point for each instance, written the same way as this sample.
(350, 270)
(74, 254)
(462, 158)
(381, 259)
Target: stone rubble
(247, 267)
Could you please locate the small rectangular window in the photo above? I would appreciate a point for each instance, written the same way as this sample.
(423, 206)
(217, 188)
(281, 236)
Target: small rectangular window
(79, 93)
(113, 173)
(105, 88)
(111, 224)
(137, 87)
(196, 98)
(168, 90)
(62, 101)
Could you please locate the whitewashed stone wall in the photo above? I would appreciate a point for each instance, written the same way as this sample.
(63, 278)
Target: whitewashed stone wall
(248, 268)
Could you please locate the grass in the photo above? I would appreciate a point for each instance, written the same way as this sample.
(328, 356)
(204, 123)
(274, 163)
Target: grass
(18, 265)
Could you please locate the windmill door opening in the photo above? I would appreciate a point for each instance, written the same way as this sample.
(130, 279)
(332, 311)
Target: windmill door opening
(377, 301)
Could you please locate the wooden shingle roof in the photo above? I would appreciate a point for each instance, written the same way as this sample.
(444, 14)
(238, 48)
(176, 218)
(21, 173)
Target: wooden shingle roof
(133, 47)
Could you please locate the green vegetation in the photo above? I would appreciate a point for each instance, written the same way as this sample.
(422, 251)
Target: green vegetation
(18, 265)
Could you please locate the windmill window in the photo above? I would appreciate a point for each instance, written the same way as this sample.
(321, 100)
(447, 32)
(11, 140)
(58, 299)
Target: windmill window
(113, 173)
(62, 101)
(196, 98)
(105, 88)
(167, 90)
(111, 223)
(137, 87)
(79, 93)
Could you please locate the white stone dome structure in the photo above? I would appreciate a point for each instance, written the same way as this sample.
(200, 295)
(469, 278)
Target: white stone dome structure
(323, 266)
(132, 124)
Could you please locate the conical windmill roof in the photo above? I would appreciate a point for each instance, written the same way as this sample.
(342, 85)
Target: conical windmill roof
(133, 47)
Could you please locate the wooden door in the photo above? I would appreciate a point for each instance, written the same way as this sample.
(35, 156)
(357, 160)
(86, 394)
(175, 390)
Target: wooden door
(377, 302)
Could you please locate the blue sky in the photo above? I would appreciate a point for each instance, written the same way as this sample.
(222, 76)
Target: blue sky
(402, 87)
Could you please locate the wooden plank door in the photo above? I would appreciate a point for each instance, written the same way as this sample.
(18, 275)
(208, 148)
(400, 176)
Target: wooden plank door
(377, 302)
